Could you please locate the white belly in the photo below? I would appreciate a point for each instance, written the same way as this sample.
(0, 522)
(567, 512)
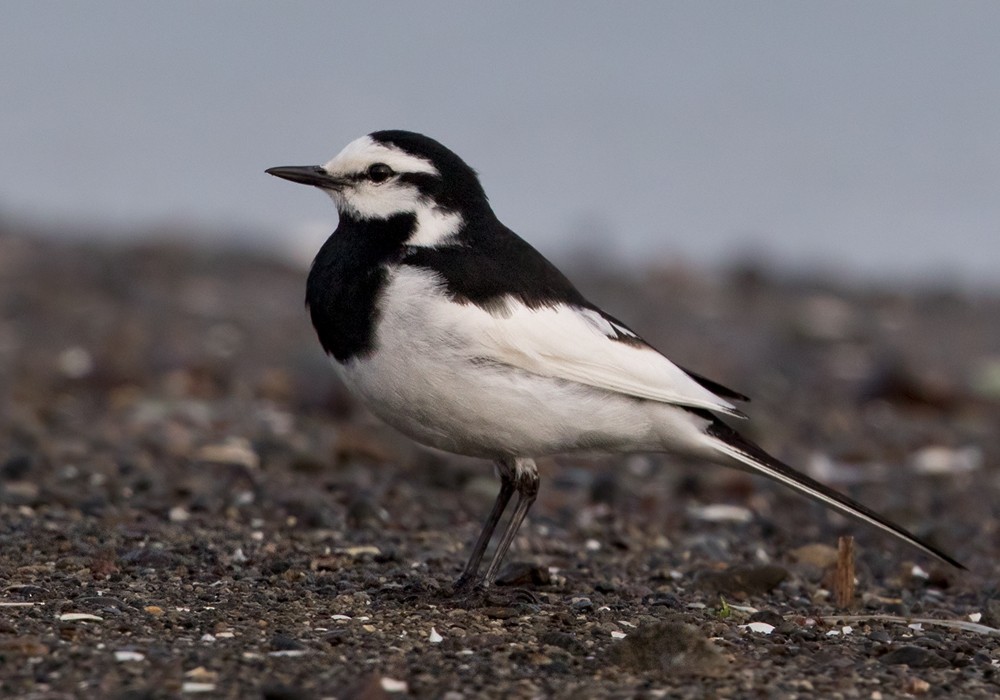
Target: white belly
(428, 383)
(491, 411)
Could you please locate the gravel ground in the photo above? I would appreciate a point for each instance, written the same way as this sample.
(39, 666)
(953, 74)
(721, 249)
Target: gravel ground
(191, 506)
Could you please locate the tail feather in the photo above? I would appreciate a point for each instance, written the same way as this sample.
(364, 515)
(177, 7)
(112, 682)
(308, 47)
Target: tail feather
(731, 443)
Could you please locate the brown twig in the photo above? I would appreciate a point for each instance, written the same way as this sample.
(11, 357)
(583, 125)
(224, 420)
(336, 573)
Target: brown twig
(843, 581)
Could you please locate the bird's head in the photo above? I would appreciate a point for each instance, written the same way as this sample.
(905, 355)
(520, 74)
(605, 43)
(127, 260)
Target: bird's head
(388, 173)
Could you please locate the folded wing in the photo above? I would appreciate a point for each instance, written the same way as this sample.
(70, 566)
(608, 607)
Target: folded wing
(583, 345)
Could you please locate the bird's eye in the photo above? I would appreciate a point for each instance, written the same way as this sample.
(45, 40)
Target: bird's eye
(379, 172)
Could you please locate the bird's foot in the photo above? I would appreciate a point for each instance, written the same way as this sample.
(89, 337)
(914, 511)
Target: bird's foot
(467, 583)
(479, 594)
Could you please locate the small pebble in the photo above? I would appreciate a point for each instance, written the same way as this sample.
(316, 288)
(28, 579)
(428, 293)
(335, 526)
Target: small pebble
(391, 685)
(76, 362)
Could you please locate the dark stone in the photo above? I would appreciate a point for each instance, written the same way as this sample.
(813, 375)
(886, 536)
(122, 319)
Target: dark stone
(16, 467)
(991, 612)
(150, 558)
(26, 591)
(563, 641)
(915, 657)
(103, 604)
(282, 642)
(523, 574)
(276, 566)
(500, 613)
(981, 657)
(137, 694)
(769, 616)
(278, 691)
(336, 637)
(667, 600)
(605, 489)
(742, 581)
(364, 511)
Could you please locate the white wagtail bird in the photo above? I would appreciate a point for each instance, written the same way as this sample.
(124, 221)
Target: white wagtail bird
(454, 330)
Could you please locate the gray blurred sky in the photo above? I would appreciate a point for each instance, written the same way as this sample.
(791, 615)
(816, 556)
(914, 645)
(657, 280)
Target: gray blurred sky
(858, 135)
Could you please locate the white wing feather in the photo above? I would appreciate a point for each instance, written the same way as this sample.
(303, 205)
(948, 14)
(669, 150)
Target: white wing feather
(578, 345)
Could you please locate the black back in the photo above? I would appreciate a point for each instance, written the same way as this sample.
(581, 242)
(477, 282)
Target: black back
(489, 261)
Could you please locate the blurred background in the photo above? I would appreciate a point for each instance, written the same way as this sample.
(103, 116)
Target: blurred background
(861, 138)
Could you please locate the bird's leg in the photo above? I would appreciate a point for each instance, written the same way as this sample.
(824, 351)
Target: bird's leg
(526, 484)
(468, 576)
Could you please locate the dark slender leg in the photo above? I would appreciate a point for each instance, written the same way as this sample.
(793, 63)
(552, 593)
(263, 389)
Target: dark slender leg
(526, 484)
(468, 576)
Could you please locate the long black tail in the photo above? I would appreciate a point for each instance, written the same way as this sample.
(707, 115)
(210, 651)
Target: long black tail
(731, 443)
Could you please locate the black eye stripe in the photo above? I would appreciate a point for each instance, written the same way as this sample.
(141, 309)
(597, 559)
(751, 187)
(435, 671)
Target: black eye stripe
(424, 181)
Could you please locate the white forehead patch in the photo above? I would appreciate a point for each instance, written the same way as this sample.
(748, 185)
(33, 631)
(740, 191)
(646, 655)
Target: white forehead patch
(363, 152)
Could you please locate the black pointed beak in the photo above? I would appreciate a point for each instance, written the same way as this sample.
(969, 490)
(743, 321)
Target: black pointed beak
(313, 175)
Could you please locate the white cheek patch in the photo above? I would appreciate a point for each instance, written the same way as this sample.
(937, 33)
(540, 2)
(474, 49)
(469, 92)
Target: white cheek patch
(367, 200)
(435, 226)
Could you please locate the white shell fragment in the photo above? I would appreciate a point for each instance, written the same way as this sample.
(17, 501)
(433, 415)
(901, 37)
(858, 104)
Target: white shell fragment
(434, 637)
(359, 550)
(235, 450)
(192, 687)
(721, 513)
(79, 617)
(391, 685)
(758, 627)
